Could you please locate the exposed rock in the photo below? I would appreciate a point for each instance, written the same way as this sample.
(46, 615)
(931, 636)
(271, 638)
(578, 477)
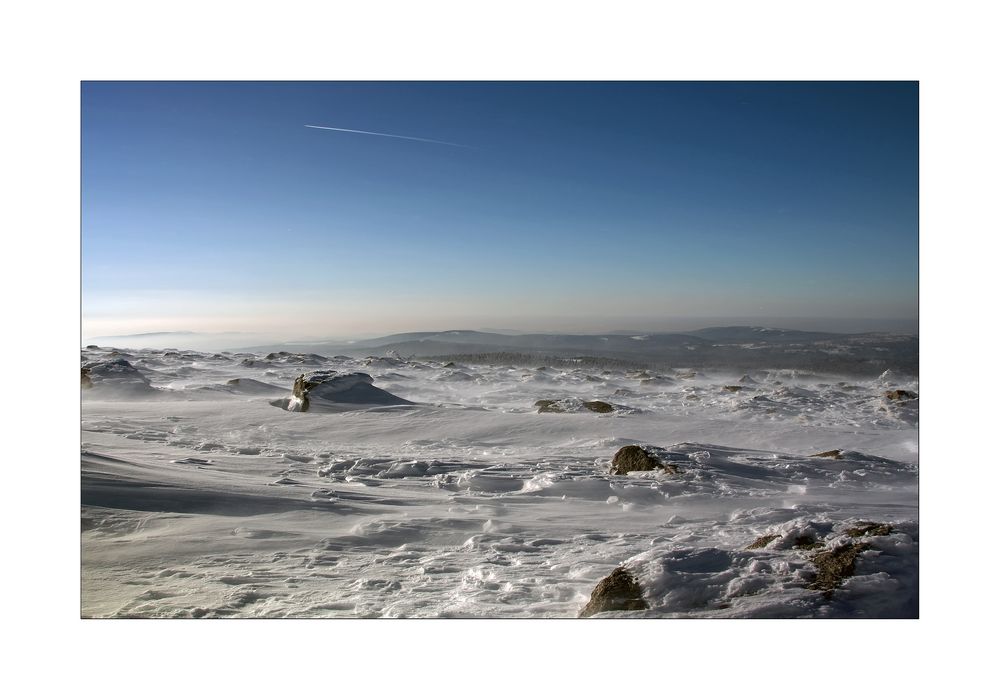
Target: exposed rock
(85, 382)
(835, 565)
(762, 541)
(869, 530)
(806, 542)
(633, 458)
(900, 395)
(733, 388)
(617, 591)
(323, 390)
(573, 406)
(834, 454)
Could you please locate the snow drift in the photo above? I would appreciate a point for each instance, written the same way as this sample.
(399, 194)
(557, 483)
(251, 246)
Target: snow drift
(330, 390)
(208, 502)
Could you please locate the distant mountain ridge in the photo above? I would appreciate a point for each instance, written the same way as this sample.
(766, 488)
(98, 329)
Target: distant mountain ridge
(747, 347)
(568, 341)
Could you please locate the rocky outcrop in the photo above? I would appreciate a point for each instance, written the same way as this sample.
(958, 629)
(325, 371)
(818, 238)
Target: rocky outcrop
(618, 591)
(835, 565)
(762, 541)
(832, 454)
(572, 406)
(900, 395)
(633, 458)
(866, 529)
(806, 542)
(329, 390)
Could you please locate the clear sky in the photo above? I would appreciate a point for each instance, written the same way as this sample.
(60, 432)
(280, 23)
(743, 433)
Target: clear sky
(212, 207)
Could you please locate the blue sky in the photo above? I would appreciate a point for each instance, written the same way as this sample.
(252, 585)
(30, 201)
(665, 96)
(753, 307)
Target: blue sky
(575, 206)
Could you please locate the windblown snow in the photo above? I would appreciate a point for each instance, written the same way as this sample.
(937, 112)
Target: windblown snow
(430, 489)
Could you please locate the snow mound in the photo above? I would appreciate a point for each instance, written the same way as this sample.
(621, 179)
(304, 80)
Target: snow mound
(328, 390)
(114, 376)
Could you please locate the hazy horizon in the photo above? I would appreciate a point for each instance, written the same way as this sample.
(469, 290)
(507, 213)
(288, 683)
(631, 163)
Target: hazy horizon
(291, 210)
(207, 340)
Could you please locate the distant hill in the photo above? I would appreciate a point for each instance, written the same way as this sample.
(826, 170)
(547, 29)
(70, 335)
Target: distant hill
(751, 334)
(738, 347)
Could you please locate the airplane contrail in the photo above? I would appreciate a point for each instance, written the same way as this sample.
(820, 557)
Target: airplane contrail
(392, 136)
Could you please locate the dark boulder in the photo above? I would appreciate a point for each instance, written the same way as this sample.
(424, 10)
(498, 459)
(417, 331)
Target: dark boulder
(900, 395)
(618, 591)
(573, 406)
(633, 458)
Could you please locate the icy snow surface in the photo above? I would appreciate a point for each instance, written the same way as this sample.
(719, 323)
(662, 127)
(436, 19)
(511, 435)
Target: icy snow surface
(202, 497)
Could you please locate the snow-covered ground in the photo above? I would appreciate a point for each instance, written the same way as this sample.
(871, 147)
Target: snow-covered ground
(203, 497)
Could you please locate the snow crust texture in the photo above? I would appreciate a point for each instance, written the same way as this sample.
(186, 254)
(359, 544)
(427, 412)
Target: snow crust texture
(429, 489)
